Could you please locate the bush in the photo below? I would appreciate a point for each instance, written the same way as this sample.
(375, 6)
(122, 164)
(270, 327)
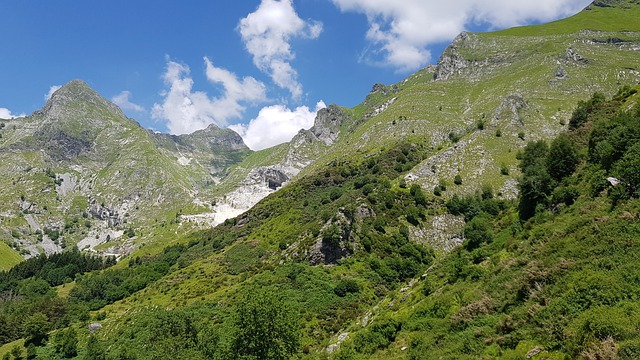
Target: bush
(457, 180)
(346, 286)
(562, 158)
(379, 335)
(476, 233)
(267, 327)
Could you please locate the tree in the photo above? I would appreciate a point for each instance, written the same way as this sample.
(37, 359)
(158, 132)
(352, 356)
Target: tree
(628, 170)
(583, 110)
(477, 232)
(94, 350)
(534, 186)
(16, 351)
(332, 236)
(35, 329)
(66, 342)
(562, 158)
(266, 327)
(536, 183)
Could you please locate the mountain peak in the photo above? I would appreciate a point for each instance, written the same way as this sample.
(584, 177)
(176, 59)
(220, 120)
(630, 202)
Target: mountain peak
(78, 96)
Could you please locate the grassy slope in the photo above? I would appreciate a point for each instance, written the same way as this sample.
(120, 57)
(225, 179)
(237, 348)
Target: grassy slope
(418, 98)
(597, 18)
(8, 257)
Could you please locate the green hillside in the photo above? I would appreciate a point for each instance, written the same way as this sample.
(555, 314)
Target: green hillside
(483, 208)
(9, 257)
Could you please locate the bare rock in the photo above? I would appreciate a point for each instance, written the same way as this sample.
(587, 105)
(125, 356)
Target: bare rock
(535, 351)
(93, 327)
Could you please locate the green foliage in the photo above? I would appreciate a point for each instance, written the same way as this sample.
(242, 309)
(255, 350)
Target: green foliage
(35, 329)
(536, 183)
(457, 180)
(346, 286)
(627, 169)
(562, 158)
(66, 343)
(584, 108)
(476, 233)
(377, 336)
(332, 235)
(267, 327)
(94, 350)
(98, 289)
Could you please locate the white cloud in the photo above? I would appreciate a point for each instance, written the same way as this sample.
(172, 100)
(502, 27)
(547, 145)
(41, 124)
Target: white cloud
(275, 125)
(52, 89)
(403, 30)
(6, 114)
(122, 100)
(267, 33)
(186, 110)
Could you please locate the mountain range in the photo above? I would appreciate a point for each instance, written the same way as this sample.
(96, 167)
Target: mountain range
(352, 219)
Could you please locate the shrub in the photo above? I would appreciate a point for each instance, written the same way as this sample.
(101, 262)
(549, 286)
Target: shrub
(346, 286)
(476, 233)
(562, 158)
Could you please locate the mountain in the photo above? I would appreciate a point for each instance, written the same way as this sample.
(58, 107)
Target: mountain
(484, 207)
(79, 171)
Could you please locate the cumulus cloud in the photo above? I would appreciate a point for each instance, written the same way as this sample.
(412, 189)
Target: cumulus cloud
(275, 125)
(267, 33)
(52, 89)
(6, 114)
(186, 110)
(403, 30)
(122, 100)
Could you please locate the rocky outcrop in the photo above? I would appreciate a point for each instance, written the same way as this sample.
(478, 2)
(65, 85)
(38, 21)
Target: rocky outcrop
(561, 73)
(383, 89)
(327, 124)
(573, 56)
(334, 242)
(271, 177)
(509, 110)
(451, 62)
(101, 212)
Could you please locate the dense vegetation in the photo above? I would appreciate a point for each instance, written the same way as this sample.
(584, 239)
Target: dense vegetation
(553, 277)
(554, 274)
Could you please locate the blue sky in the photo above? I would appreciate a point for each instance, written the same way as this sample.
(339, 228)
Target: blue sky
(261, 67)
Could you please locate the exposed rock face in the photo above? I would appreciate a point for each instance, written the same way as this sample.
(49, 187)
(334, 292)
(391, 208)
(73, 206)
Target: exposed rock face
(561, 73)
(444, 233)
(327, 124)
(383, 89)
(510, 110)
(103, 213)
(572, 55)
(451, 62)
(329, 252)
(270, 177)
